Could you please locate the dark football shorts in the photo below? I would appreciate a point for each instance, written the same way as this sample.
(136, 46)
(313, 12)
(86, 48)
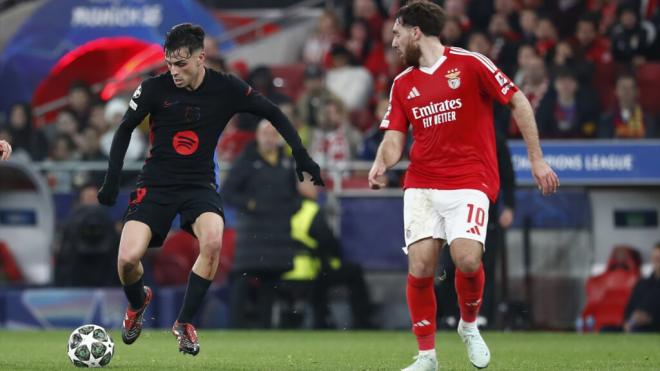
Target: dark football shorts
(157, 207)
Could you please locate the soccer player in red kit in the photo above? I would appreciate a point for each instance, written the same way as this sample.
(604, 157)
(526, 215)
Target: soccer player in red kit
(446, 94)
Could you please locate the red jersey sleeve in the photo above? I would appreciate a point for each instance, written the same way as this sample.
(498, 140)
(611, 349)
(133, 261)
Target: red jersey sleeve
(395, 117)
(493, 82)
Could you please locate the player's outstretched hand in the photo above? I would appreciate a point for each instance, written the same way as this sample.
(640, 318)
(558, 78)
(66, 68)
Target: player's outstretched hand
(304, 163)
(545, 177)
(377, 179)
(5, 150)
(108, 193)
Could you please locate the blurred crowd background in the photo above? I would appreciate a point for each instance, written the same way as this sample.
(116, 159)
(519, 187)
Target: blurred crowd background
(590, 68)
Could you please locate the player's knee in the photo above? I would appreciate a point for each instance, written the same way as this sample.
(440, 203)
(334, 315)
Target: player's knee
(468, 263)
(210, 244)
(421, 268)
(127, 261)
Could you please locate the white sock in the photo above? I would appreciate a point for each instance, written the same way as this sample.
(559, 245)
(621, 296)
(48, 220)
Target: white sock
(428, 353)
(467, 325)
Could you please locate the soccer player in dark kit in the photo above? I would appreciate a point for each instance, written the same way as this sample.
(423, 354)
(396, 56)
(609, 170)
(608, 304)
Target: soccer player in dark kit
(189, 106)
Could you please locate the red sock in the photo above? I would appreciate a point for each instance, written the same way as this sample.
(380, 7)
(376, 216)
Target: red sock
(470, 290)
(422, 306)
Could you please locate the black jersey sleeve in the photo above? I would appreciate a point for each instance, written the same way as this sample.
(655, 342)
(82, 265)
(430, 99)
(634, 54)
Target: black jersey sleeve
(246, 99)
(139, 108)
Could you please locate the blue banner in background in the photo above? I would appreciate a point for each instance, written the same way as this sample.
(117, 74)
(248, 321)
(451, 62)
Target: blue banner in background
(594, 162)
(57, 27)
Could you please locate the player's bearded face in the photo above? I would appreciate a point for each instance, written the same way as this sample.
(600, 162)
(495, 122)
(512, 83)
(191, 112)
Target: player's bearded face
(405, 45)
(411, 54)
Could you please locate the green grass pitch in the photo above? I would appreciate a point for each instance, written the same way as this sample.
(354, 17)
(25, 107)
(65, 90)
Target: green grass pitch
(338, 351)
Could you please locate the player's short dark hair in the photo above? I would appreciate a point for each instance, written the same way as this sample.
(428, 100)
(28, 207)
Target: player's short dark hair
(184, 35)
(428, 16)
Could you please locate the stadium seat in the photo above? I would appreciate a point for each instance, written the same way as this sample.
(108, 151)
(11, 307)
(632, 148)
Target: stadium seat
(608, 293)
(9, 270)
(175, 259)
(604, 83)
(292, 78)
(648, 78)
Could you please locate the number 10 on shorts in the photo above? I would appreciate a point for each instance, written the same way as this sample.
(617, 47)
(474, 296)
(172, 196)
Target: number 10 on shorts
(479, 215)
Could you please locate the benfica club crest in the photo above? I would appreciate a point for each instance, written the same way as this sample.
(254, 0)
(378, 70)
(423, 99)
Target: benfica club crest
(453, 78)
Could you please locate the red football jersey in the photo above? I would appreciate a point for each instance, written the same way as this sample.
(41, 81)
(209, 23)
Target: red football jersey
(450, 107)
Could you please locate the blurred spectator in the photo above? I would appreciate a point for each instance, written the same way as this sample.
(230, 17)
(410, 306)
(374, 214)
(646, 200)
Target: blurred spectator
(452, 34)
(213, 58)
(626, 120)
(605, 11)
(61, 149)
(335, 139)
(545, 35)
(374, 135)
(393, 67)
(478, 42)
(535, 86)
(525, 54)
(372, 11)
(319, 260)
(304, 131)
(261, 185)
(351, 83)
(358, 41)
(480, 13)
(92, 149)
(632, 38)
(233, 140)
(529, 22)
(589, 43)
(114, 112)
(567, 111)
(88, 248)
(643, 309)
(97, 117)
(457, 9)
(314, 95)
(261, 80)
(509, 10)
(328, 33)
(562, 56)
(66, 124)
(504, 51)
(79, 100)
(21, 129)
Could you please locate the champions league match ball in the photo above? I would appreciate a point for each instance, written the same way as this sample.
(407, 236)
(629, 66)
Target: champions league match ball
(90, 346)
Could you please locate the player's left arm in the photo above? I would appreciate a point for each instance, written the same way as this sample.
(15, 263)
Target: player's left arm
(523, 114)
(253, 102)
(498, 86)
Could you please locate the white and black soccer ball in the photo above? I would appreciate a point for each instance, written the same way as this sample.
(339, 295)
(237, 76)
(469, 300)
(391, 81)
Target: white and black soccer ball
(90, 346)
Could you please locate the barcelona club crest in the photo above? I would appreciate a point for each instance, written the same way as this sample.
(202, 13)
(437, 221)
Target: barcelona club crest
(453, 78)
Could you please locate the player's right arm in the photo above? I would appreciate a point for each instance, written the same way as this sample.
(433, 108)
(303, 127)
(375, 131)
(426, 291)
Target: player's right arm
(389, 153)
(390, 150)
(138, 108)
